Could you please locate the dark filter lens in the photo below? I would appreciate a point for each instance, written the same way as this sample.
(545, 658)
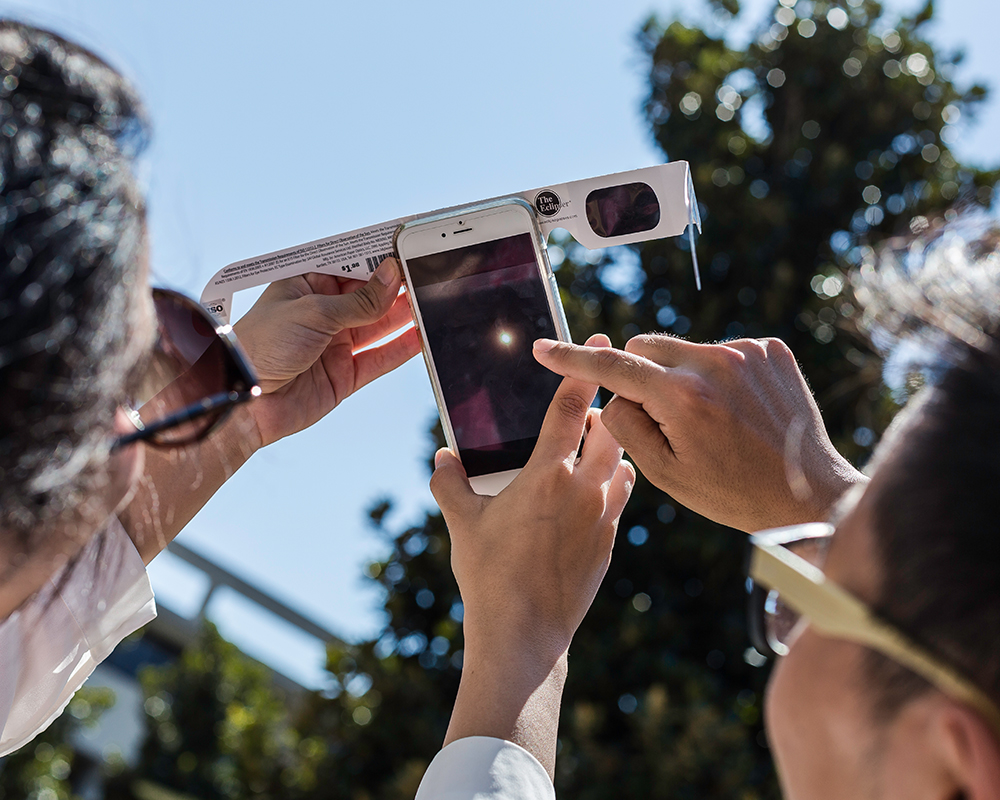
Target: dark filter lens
(621, 210)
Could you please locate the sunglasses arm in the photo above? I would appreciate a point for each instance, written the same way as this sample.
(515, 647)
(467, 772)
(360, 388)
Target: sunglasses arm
(836, 613)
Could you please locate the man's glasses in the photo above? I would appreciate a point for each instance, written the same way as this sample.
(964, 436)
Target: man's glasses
(787, 588)
(195, 376)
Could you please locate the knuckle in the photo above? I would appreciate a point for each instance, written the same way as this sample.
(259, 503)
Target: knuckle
(777, 349)
(368, 302)
(592, 504)
(438, 483)
(553, 485)
(626, 367)
(642, 341)
(381, 360)
(313, 304)
(607, 361)
(755, 347)
(315, 307)
(318, 313)
(649, 345)
(693, 393)
(727, 358)
(636, 372)
(571, 407)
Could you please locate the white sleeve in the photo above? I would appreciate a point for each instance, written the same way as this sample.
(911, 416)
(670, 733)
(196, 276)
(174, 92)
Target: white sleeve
(52, 644)
(483, 768)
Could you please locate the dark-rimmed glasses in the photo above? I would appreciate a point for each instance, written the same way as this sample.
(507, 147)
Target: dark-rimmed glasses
(788, 589)
(195, 376)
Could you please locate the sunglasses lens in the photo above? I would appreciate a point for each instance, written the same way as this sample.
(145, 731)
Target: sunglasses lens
(621, 210)
(779, 622)
(189, 366)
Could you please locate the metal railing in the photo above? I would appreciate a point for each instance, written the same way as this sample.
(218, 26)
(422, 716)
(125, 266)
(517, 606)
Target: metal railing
(178, 631)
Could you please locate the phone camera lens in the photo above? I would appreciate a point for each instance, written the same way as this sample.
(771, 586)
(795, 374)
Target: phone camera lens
(443, 235)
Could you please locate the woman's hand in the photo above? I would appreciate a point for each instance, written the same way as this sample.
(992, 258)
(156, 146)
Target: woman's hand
(731, 430)
(528, 563)
(303, 337)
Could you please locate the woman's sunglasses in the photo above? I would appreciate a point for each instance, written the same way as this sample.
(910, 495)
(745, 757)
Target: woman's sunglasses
(195, 376)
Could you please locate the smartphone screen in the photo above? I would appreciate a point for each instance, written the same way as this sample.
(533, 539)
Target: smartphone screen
(482, 307)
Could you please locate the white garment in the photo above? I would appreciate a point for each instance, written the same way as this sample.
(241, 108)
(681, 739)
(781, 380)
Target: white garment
(484, 768)
(49, 646)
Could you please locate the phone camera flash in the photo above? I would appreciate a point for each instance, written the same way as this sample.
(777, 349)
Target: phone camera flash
(505, 338)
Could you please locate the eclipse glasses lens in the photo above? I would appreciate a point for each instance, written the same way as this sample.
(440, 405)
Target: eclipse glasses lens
(622, 210)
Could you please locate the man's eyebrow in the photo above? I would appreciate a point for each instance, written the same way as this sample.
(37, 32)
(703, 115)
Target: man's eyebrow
(846, 503)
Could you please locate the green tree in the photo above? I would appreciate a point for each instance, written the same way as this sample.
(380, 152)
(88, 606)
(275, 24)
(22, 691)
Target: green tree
(218, 728)
(825, 135)
(49, 768)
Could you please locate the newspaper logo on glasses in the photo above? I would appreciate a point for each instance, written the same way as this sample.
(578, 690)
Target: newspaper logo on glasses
(547, 203)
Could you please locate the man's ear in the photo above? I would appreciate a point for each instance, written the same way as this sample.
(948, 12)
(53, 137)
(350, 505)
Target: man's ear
(971, 750)
(934, 748)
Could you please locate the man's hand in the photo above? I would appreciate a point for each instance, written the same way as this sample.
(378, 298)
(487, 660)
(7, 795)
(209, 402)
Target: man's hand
(303, 336)
(528, 563)
(731, 431)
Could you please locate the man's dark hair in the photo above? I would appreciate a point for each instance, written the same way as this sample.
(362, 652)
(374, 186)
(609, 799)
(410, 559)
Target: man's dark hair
(71, 239)
(937, 515)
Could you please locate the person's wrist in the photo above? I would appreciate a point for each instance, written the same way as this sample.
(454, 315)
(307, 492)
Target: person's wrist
(243, 428)
(531, 645)
(498, 697)
(840, 480)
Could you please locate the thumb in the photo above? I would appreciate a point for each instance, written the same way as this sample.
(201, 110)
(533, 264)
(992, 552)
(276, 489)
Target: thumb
(450, 485)
(366, 305)
(639, 435)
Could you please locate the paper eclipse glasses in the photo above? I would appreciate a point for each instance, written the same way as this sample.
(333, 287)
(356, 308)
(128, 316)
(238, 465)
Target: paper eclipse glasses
(623, 208)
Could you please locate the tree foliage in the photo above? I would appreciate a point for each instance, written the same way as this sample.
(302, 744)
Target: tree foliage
(826, 134)
(218, 728)
(49, 767)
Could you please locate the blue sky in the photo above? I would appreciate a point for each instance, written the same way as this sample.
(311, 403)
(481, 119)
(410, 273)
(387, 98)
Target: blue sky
(278, 124)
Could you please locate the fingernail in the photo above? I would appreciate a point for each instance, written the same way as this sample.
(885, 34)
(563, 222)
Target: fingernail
(438, 456)
(543, 345)
(598, 340)
(386, 273)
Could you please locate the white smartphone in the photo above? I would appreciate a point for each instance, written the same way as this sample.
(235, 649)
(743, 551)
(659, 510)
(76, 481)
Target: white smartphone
(482, 291)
